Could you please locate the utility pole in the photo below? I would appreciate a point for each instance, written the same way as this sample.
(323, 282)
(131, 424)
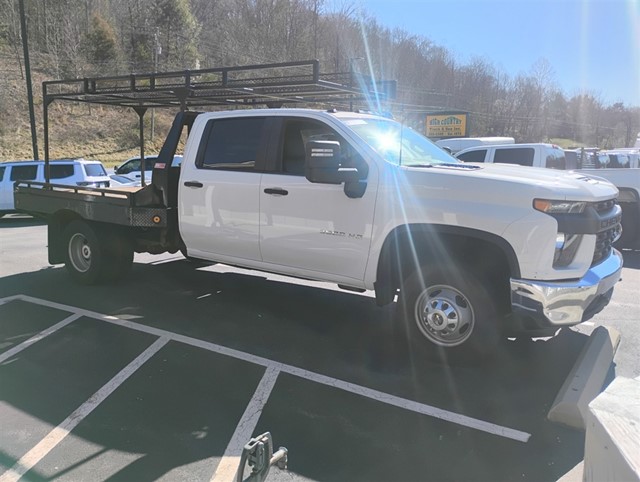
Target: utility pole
(27, 69)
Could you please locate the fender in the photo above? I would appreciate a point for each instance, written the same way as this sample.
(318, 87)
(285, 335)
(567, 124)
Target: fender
(411, 245)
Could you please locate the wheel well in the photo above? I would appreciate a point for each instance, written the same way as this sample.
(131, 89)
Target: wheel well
(412, 246)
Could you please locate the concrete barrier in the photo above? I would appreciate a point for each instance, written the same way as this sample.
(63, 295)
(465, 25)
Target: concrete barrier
(612, 446)
(585, 379)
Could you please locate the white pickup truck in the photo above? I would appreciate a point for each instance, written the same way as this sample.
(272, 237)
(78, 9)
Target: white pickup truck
(626, 176)
(475, 252)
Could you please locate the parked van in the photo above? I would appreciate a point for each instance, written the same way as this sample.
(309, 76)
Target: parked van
(457, 144)
(75, 172)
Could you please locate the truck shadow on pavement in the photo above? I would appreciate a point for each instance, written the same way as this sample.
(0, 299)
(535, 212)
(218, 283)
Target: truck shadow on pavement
(337, 334)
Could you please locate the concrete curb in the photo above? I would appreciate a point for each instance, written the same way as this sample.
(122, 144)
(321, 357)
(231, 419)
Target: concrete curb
(612, 447)
(586, 378)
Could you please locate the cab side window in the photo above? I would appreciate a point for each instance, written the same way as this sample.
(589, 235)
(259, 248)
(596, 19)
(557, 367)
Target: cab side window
(24, 173)
(473, 156)
(556, 160)
(297, 132)
(231, 144)
(521, 155)
(60, 171)
(149, 162)
(127, 167)
(2, 169)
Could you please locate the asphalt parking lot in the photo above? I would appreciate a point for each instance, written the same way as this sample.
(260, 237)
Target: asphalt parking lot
(166, 375)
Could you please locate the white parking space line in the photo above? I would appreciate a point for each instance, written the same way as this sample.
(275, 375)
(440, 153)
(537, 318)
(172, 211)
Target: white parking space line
(57, 435)
(27, 343)
(383, 397)
(228, 466)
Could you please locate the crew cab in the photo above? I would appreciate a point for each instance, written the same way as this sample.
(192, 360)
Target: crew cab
(476, 252)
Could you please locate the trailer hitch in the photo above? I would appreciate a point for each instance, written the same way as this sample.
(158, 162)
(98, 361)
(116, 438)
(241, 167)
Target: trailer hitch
(258, 453)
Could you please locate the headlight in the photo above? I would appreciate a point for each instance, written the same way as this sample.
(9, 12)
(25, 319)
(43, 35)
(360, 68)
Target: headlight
(559, 207)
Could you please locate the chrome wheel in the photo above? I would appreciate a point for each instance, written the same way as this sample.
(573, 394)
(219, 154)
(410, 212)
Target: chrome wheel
(444, 315)
(80, 253)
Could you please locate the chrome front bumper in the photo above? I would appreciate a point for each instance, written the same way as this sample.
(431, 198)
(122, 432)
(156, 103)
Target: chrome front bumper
(564, 303)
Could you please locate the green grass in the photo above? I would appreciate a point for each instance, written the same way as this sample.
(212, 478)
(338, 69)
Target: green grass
(566, 143)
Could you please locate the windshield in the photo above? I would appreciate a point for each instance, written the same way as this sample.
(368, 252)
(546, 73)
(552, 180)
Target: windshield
(398, 144)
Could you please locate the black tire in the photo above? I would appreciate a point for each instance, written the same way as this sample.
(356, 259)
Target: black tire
(85, 253)
(449, 315)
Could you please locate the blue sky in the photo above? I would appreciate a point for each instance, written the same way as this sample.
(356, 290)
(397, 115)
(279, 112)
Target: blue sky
(591, 45)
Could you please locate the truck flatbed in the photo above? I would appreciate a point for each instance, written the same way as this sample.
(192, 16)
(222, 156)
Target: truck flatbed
(126, 206)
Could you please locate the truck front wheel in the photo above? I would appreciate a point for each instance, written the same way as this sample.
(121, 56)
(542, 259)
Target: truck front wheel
(450, 313)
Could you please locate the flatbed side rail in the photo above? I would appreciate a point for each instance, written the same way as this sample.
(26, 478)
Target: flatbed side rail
(92, 204)
(110, 193)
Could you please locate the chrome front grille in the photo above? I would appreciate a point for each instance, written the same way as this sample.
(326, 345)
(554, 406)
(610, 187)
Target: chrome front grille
(604, 241)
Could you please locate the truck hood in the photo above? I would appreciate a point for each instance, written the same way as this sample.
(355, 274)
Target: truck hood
(547, 183)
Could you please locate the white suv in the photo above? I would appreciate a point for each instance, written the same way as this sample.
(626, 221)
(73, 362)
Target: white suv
(74, 172)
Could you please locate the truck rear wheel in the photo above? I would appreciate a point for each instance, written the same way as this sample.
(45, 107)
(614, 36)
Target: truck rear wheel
(449, 314)
(95, 254)
(85, 253)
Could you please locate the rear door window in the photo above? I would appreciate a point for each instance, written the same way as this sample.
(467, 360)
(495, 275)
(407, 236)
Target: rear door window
(618, 161)
(2, 169)
(555, 159)
(520, 155)
(129, 166)
(571, 158)
(24, 173)
(473, 156)
(60, 171)
(231, 144)
(149, 163)
(94, 170)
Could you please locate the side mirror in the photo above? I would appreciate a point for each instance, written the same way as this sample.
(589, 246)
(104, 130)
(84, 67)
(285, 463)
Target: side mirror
(322, 164)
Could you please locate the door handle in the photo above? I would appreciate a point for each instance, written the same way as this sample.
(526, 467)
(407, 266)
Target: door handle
(276, 191)
(193, 184)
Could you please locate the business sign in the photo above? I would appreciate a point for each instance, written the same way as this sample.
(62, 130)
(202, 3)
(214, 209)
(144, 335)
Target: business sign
(446, 125)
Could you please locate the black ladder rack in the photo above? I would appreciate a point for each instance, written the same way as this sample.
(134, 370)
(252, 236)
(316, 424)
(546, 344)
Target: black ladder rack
(249, 85)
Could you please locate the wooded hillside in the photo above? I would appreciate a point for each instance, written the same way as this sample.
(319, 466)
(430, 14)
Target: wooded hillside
(77, 38)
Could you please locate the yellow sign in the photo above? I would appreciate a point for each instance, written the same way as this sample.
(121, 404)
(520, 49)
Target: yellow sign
(446, 125)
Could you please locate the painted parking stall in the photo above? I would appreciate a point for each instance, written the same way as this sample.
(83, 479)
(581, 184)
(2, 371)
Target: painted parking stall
(140, 385)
